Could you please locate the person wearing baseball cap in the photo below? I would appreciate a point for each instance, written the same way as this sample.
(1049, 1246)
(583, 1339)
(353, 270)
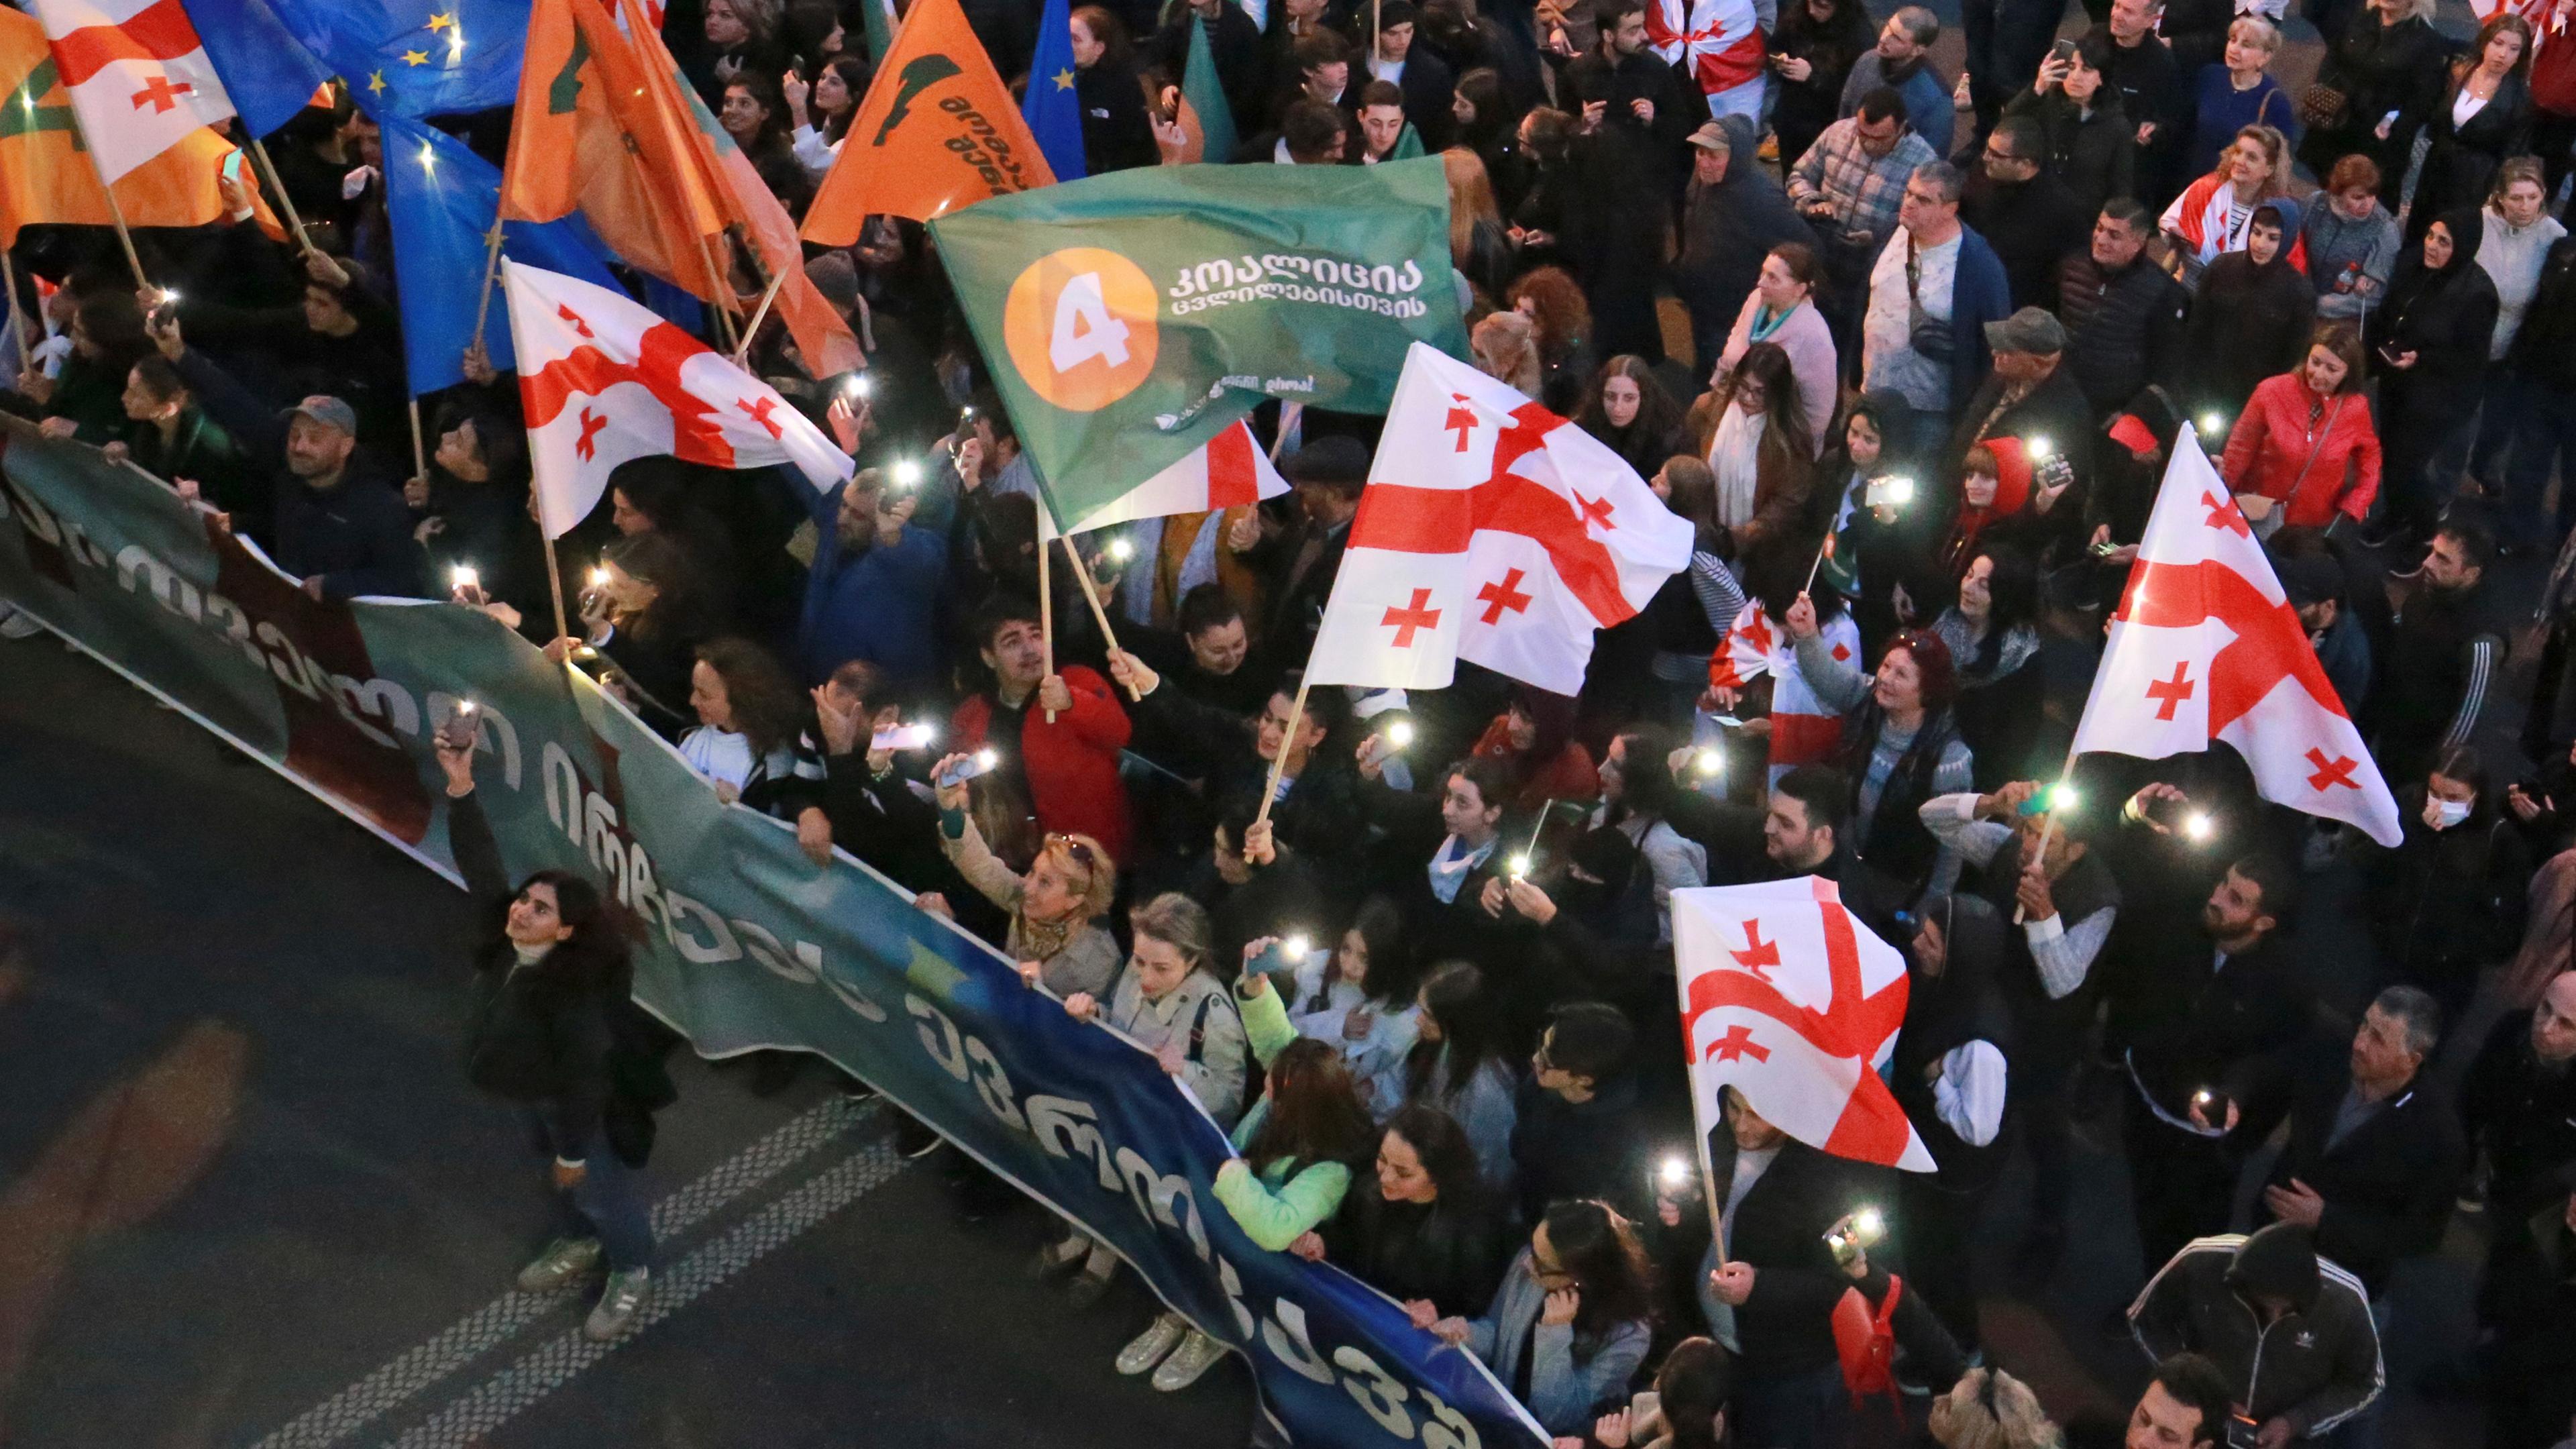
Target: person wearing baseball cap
(2029, 395)
(339, 522)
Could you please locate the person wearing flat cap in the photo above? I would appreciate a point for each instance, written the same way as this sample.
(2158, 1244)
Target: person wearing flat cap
(2030, 396)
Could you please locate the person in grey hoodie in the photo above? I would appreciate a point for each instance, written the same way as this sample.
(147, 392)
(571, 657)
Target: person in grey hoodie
(2292, 1331)
(2352, 242)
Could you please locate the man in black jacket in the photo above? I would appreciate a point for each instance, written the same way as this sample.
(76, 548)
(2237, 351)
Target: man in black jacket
(2123, 313)
(2217, 994)
(1423, 76)
(2544, 358)
(1574, 1125)
(2519, 1102)
(2443, 658)
(2029, 218)
(2153, 91)
(2374, 1154)
(2292, 1333)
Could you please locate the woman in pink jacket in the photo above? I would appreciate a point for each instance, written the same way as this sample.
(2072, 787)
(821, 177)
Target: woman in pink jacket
(2305, 440)
(1781, 309)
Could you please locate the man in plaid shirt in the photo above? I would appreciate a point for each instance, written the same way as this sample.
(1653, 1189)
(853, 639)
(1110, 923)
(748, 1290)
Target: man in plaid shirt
(1849, 185)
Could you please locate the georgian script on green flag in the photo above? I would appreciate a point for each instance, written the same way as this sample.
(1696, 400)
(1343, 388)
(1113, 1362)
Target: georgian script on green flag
(1129, 318)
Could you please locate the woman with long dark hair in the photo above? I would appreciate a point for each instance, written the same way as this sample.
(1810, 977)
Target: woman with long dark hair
(1533, 739)
(1901, 745)
(2435, 331)
(1752, 429)
(1299, 1145)
(821, 112)
(1636, 795)
(2485, 115)
(1358, 998)
(750, 742)
(755, 116)
(1993, 637)
(1686, 1409)
(642, 623)
(551, 976)
(1489, 125)
(1461, 1065)
(1632, 415)
(1571, 1321)
(1427, 1231)
(1115, 132)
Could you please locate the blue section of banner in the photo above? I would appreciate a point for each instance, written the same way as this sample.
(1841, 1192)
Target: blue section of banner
(265, 69)
(1052, 109)
(741, 941)
(441, 199)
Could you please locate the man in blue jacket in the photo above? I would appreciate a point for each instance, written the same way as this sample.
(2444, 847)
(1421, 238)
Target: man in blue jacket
(873, 587)
(1931, 292)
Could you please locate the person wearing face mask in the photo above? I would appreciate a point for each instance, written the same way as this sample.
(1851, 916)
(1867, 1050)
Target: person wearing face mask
(2351, 240)
(2303, 449)
(1950, 1073)
(2436, 328)
(2449, 899)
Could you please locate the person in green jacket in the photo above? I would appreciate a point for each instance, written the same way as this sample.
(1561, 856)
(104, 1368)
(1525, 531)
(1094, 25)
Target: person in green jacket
(1298, 1143)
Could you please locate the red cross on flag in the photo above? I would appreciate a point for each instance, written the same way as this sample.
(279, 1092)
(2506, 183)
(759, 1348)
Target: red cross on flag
(1491, 530)
(603, 380)
(2205, 648)
(1789, 999)
(1229, 471)
(137, 75)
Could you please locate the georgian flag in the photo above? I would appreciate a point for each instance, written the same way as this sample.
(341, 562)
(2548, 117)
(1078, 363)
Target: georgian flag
(603, 380)
(2205, 648)
(138, 77)
(1789, 999)
(1491, 530)
(1718, 41)
(1229, 471)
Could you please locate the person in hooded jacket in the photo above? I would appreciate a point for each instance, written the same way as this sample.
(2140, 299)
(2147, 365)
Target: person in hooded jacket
(1949, 1073)
(2291, 1331)
(2435, 332)
(542, 1026)
(1733, 214)
(2251, 317)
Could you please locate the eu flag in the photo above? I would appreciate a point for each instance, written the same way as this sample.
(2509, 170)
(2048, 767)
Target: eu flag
(442, 200)
(1054, 113)
(267, 71)
(414, 57)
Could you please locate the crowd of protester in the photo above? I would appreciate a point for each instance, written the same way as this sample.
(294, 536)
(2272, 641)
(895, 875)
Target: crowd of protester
(1429, 989)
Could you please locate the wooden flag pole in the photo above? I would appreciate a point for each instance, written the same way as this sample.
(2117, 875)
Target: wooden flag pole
(419, 451)
(720, 283)
(1279, 761)
(1046, 616)
(1289, 413)
(554, 581)
(17, 314)
(286, 203)
(491, 271)
(2048, 827)
(1091, 592)
(751, 329)
(124, 236)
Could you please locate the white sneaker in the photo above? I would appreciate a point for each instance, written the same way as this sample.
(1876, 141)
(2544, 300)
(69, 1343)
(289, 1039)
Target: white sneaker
(16, 625)
(1194, 1357)
(564, 1260)
(618, 1305)
(1148, 1348)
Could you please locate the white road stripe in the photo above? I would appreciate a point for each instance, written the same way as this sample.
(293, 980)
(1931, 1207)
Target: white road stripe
(498, 1399)
(487, 1328)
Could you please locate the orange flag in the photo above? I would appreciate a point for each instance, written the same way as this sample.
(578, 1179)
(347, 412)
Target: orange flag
(937, 131)
(45, 176)
(585, 136)
(823, 340)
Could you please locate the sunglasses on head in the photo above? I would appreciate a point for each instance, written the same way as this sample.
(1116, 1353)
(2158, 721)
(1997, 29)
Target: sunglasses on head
(1083, 855)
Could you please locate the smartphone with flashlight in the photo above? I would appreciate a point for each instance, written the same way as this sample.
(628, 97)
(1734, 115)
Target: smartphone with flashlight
(1854, 1235)
(457, 730)
(1887, 491)
(2243, 1432)
(903, 737)
(979, 763)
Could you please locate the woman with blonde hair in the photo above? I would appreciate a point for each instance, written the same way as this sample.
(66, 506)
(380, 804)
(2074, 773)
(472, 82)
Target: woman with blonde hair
(1055, 934)
(2214, 213)
(1990, 1409)
(1505, 346)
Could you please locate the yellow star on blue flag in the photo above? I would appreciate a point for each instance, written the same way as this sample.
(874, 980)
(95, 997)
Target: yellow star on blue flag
(376, 82)
(415, 57)
(441, 22)
(1064, 80)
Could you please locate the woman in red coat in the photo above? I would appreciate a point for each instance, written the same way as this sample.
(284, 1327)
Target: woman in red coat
(2305, 439)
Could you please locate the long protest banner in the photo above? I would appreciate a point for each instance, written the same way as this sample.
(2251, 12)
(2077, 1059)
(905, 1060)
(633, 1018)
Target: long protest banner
(740, 941)
(1129, 318)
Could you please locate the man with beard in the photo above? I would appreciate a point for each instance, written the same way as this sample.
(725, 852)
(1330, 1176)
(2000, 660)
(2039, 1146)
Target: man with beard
(2217, 995)
(2519, 1103)
(1902, 61)
(873, 587)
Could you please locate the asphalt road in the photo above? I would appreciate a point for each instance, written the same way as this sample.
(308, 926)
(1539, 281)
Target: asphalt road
(246, 1197)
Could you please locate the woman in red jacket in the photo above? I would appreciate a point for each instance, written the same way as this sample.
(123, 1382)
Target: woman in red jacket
(1067, 767)
(2305, 439)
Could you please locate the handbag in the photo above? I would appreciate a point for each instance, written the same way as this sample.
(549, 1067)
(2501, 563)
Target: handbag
(2322, 106)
